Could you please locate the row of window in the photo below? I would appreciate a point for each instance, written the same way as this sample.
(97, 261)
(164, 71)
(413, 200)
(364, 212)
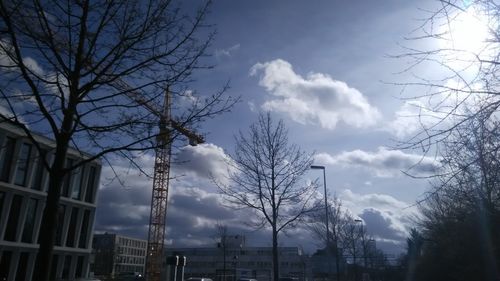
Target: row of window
(25, 168)
(25, 212)
(128, 268)
(72, 266)
(132, 251)
(132, 243)
(130, 260)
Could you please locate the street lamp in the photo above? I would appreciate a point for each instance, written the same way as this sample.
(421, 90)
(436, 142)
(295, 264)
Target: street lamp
(326, 203)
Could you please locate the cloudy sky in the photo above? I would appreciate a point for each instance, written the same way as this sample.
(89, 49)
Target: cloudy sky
(324, 67)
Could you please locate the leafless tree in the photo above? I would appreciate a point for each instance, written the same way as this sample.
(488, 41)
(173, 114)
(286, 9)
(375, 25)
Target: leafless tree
(460, 42)
(336, 224)
(81, 73)
(267, 179)
(222, 233)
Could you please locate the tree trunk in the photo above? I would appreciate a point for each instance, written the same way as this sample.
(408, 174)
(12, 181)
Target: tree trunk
(50, 216)
(276, 271)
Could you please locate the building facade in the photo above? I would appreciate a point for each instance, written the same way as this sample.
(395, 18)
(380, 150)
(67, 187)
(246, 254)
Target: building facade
(116, 255)
(236, 261)
(23, 191)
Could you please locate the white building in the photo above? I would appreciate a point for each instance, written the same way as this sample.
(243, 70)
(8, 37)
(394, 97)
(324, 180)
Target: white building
(116, 255)
(23, 185)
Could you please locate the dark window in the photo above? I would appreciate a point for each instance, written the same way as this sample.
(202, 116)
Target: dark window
(67, 179)
(79, 267)
(15, 209)
(76, 192)
(60, 224)
(5, 265)
(2, 199)
(22, 267)
(70, 241)
(66, 267)
(37, 182)
(7, 158)
(53, 269)
(29, 223)
(89, 196)
(85, 230)
(23, 164)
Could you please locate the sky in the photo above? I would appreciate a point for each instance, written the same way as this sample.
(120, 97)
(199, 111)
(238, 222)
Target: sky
(326, 68)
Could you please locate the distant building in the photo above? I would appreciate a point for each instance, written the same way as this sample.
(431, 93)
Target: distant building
(23, 186)
(240, 261)
(116, 255)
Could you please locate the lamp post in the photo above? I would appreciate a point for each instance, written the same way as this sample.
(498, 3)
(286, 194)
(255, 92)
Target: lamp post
(362, 237)
(326, 203)
(326, 222)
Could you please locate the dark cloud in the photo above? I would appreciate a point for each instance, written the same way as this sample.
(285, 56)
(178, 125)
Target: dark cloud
(381, 225)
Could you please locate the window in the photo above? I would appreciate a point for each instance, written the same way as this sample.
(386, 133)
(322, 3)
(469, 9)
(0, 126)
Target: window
(60, 224)
(85, 229)
(29, 222)
(70, 241)
(76, 192)
(12, 222)
(7, 158)
(23, 164)
(53, 270)
(22, 266)
(5, 265)
(79, 267)
(89, 196)
(2, 199)
(66, 267)
(37, 182)
(67, 179)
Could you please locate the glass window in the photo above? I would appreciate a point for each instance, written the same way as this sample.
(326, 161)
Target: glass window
(7, 158)
(53, 269)
(60, 224)
(66, 267)
(22, 266)
(2, 199)
(29, 222)
(5, 265)
(67, 179)
(89, 196)
(85, 230)
(15, 209)
(70, 241)
(37, 182)
(76, 192)
(79, 267)
(22, 164)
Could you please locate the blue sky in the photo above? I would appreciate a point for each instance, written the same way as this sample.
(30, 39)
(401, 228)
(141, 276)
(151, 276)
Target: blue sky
(324, 67)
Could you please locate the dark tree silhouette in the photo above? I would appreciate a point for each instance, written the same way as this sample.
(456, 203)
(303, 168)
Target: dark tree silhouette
(267, 178)
(80, 72)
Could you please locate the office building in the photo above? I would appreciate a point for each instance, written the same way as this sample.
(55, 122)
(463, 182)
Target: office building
(23, 191)
(116, 255)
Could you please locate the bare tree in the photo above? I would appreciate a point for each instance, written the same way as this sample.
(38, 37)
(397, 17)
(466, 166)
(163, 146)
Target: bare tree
(267, 179)
(462, 44)
(222, 233)
(336, 224)
(82, 73)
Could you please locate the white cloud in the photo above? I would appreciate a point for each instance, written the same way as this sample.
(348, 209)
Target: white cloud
(204, 160)
(384, 162)
(315, 99)
(228, 52)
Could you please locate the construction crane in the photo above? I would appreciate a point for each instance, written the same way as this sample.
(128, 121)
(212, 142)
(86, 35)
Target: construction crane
(159, 197)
